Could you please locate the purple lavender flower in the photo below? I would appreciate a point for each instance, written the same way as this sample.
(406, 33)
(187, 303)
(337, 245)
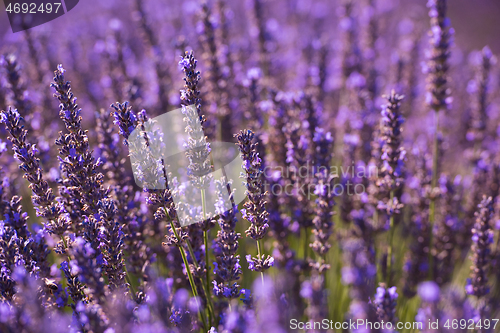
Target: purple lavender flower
(109, 148)
(278, 117)
(416, 268)
(74, 287)
(125, 118)
(437, 68)
(313, 291)
(263, 35)
(391, 161)
(43, 198)
(322, 222)
(253, 113)
(477, 132)
(88, 265)
(482, 172)
(90, 317)
(429, 292)
(10, 257)
(352, 57)
(227, 267)
(448, 222)
(82, 186)
(16, 218)
(482, 238)
(112, 244)
(158, 56)
(437, 95)
(198, 149)
(37, 315)
(18, 245)
(298, 154)
(20, 99)
(359, 273)
(385, 304)
(429, 310)
(392, 153)
(217, 92)
(254, 209)
(279, 223)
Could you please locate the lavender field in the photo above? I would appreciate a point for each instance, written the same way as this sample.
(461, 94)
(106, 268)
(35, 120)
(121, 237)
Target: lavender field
(366, 192)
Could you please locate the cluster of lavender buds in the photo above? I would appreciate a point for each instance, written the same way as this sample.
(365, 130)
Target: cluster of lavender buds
(13, 72)
(392, 154)
(82, 185)
(322, 222)
(385, 302)
(479, 88)
(57, 221)
(227, 268)
(255, 208)
(265, 119)
(198, 149)
(430, 294)
(482, 238)
(441, 35)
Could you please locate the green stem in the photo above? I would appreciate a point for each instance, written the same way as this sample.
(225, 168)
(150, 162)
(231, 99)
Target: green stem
(69, 258)
(190, 275)
(195, 263)
(66, 247)
(306, 243)
(205, 241)
(259, 253)
(129, 281)
(432, 206)
(391, 237)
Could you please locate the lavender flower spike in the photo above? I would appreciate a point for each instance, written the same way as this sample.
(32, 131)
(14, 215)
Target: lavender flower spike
(393, 154)
(227, 267)
(198, 149)
(481, 248)
(441, 35)
(83, 182)
(125, 118)
(324, 209)
(255, 208)
(481, 90)
(25, 152)
(113, 243)
(190, 95)
(385, 304)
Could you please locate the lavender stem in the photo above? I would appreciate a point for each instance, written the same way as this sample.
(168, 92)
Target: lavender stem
(188, 270)
(432, 205)
(390, 250)
(205, 241)
(261, 256)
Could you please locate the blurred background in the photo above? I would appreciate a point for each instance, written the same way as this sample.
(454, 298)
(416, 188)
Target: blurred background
(476, 22)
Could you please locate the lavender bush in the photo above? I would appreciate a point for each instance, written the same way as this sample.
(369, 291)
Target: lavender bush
(371, 171)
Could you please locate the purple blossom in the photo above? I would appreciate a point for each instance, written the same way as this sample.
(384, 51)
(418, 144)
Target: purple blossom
(481, 248)
(385, 303)
(429, 291)
(227, 268)
(43, 197)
